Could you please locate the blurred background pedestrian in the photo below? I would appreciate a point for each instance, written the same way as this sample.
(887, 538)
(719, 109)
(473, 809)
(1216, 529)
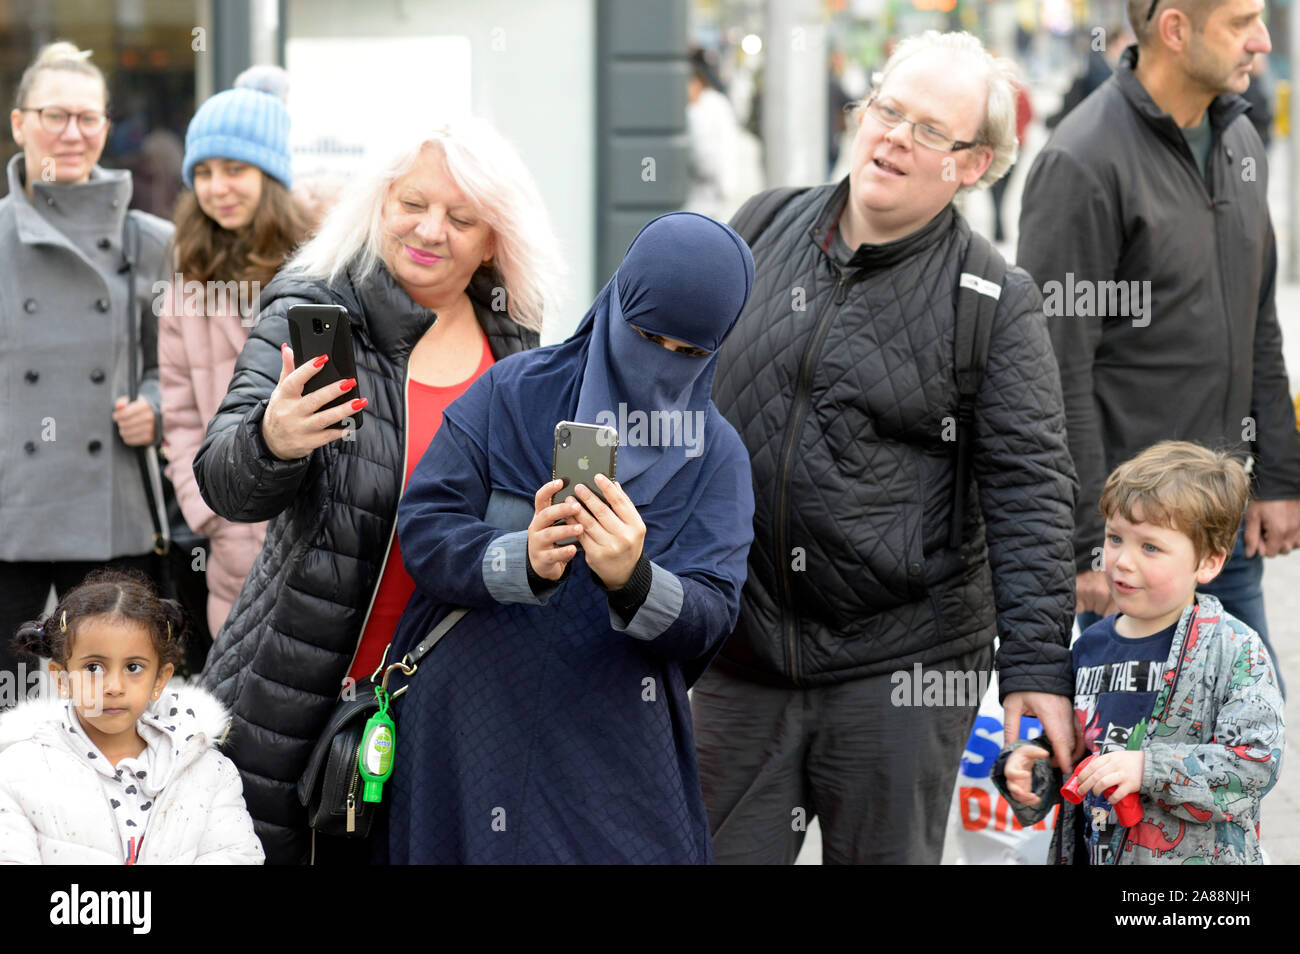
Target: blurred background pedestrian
(236, 224)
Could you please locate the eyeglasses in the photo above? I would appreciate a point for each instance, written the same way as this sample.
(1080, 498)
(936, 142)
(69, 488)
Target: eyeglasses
(663, 343)
(922, 135)
(55, 119)
(1152, 9)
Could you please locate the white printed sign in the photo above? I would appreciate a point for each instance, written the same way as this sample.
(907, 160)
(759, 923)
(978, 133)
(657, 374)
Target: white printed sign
(352, 99)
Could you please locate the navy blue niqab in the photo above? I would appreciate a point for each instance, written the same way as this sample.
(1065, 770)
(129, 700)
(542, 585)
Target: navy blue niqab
(686, 277)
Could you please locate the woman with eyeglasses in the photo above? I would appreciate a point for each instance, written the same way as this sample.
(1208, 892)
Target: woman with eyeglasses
(81, 390)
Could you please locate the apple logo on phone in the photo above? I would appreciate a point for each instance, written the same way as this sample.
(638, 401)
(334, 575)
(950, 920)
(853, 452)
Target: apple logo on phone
(584, 463)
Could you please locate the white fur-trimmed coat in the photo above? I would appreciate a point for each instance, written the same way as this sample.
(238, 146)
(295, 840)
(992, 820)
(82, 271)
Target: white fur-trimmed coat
(53, 809)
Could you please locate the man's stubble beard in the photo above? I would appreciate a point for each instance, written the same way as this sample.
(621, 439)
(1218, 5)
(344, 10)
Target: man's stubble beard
(1202, 69)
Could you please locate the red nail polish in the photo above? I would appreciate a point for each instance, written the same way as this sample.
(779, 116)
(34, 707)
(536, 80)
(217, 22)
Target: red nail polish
(320, 362)
(359, 403)
(347, 385)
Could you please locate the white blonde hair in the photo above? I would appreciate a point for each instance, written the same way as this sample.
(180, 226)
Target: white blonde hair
(1000, 75)
(59, 55)
(486, 167)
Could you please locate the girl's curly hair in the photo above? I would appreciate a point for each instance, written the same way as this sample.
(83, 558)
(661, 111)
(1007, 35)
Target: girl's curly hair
(120, 594)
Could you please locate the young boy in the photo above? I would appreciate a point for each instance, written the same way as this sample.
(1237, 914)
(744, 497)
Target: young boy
(1177, 698)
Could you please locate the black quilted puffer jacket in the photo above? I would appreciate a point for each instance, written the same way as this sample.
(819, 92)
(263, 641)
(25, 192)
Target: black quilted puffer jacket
(279, 661)
(840, 379)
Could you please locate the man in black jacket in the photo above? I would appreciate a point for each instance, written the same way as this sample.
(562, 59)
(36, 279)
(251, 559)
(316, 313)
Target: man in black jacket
(840, 378)
(1145, 220)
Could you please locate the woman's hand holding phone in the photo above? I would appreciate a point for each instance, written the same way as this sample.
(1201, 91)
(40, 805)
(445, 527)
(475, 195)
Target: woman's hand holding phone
(551, 524)
(612, 536)
(292, 427)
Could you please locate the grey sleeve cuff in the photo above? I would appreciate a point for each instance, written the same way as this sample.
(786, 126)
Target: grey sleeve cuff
(505, 571)
(662, 606)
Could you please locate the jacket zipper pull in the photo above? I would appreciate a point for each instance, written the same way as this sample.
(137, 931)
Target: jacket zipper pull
(842, 289)
(352, 813)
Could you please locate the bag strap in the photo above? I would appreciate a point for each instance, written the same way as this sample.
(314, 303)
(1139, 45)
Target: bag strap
(978, 291)
(410, 663)
(130, 246)
(444, 626)
(757, 214)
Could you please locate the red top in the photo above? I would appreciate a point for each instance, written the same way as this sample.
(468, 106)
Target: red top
(424, 407)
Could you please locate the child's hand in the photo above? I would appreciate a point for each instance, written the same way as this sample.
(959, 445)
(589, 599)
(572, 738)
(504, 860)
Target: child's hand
(1120, 769)
(1019, 772)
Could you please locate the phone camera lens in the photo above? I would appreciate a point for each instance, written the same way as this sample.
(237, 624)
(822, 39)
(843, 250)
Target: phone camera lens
(564, 437)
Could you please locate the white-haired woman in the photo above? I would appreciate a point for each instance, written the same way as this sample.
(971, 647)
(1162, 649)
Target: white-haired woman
(445, 261)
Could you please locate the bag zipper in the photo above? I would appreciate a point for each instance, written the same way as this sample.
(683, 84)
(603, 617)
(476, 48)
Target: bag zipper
(352, 789)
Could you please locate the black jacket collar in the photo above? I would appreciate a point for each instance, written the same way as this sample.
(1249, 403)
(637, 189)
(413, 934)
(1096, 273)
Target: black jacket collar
(871, 257)
(1223, 109)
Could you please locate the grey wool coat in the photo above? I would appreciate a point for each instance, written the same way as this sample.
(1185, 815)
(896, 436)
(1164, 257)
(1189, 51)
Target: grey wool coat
(70, 489)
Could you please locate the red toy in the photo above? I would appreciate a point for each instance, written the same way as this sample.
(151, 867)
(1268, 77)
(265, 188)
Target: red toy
(1129, 809)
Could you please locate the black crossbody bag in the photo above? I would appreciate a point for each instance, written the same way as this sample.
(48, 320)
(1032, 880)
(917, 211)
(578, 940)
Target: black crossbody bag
(331, 786)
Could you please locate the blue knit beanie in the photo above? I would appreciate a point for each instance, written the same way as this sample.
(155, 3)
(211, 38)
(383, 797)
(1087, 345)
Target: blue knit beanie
(248, 123)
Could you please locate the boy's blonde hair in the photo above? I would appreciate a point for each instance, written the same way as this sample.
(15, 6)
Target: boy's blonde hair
(1184, 486)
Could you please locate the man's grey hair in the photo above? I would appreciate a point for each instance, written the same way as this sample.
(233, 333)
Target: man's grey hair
(998, 130)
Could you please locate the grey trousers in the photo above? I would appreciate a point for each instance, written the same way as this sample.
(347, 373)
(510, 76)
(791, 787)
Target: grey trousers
(878, 776)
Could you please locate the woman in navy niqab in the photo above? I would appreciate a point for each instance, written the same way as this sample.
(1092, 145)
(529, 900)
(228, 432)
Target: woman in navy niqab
(551, 724)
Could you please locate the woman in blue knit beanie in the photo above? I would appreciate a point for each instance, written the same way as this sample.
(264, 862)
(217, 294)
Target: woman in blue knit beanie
(234, 230)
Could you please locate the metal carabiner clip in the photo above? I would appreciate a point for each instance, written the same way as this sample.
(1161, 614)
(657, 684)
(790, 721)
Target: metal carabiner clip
(406, 671)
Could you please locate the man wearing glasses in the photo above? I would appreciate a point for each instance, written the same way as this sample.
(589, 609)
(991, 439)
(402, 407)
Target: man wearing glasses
(840, 378)
(1157, 184)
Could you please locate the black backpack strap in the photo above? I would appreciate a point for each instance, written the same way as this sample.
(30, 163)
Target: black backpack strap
(978, 291)
(757, 214)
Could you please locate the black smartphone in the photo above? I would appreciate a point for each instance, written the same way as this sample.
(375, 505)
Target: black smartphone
(581, 452)
(315, 330)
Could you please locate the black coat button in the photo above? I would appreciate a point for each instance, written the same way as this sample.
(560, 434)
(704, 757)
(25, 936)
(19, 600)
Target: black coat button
(914, 569)
(101, 304)
(31, 377)
(94, 447)
(29, 305)
(105, 243)
(30, 447)
(97, 376)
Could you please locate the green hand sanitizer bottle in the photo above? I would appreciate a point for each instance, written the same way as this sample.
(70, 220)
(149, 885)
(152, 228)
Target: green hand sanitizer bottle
(375, 758)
